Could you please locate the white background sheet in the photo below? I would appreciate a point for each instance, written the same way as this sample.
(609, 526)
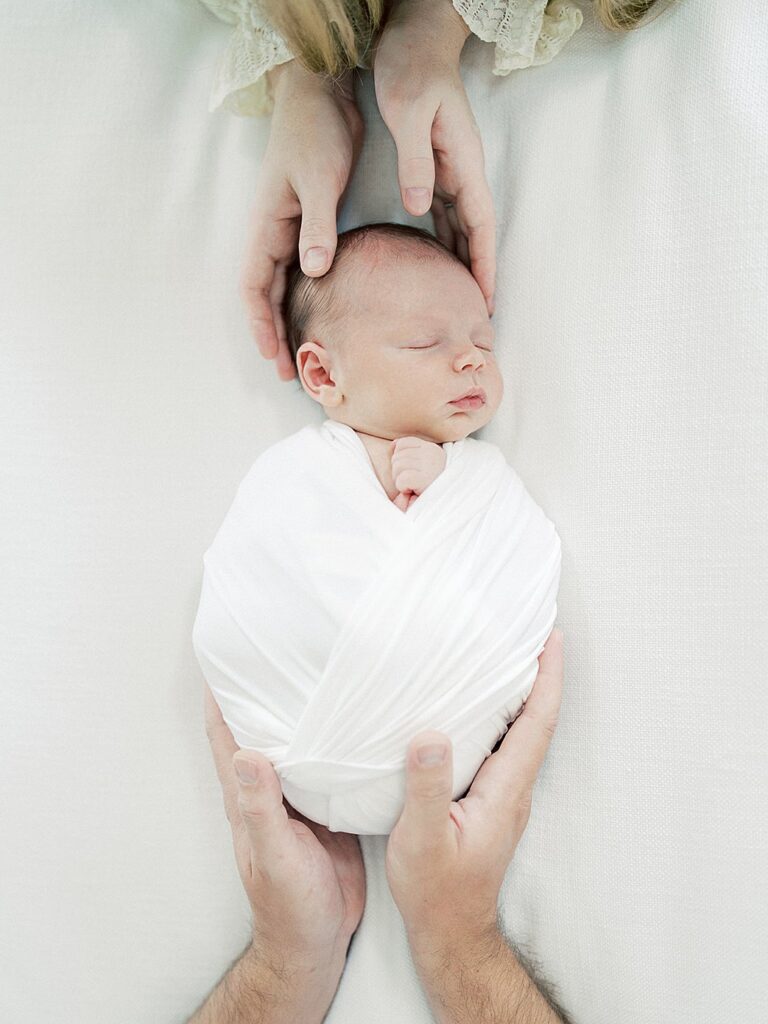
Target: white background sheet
(631, 183)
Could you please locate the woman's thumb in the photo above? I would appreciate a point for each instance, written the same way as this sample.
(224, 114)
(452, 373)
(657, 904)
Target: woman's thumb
(416, 168)
(317, 237)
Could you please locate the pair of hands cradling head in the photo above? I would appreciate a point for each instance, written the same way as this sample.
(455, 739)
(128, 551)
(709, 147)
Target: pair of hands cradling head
(445, 859)
(316, 137)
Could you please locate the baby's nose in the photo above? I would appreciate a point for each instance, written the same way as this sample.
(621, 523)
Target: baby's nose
(469, 356)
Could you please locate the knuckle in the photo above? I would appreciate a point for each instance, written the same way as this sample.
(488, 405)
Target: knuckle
(406, 480)
(433, 789)
(417, 171)
(393, 99)
(234, 819)
(403, 458)
(252, 817)
(316, 228)
(252, 289)
(251, 810)
(328, 178)
(403, 107)
(422, 163)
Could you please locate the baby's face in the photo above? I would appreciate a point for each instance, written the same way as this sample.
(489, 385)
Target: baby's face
(416, 338)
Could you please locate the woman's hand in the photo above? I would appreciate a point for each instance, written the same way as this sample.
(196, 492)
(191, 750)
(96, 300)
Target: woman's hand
(314, 140)
(306, 885)
(446, 860)
(440, 161)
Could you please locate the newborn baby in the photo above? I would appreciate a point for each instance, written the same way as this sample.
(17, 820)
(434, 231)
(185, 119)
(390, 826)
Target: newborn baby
(383, 572)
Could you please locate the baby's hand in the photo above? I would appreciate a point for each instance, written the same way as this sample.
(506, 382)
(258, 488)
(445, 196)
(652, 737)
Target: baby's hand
(415, 464)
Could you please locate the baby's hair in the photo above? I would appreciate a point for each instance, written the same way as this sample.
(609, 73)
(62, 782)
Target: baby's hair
(312, 300)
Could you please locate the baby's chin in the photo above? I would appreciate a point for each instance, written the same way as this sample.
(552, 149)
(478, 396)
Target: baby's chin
(454, 427)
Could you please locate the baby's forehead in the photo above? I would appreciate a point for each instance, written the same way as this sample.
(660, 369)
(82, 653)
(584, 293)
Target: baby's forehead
(379, 279)
(380, 264)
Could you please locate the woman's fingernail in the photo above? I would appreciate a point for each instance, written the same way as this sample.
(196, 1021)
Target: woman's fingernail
(247, 771)
(432, 754)
(315, 259)
(418, 199)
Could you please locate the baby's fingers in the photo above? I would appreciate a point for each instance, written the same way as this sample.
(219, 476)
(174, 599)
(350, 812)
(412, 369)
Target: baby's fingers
(409, 480)
(407, 442)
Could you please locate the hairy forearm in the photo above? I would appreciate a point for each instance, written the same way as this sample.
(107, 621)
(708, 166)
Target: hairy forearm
(481, 979)
(260, 991)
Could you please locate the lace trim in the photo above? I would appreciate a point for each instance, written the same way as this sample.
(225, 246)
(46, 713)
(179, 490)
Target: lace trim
(240, 82)
(526, 32)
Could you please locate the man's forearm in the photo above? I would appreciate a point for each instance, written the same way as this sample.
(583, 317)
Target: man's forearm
(257, 991)
(481, 979)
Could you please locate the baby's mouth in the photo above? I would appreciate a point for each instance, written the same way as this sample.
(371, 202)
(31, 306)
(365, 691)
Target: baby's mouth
(473, 399)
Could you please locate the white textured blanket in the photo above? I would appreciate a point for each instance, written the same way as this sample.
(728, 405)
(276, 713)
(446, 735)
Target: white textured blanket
(332, 626)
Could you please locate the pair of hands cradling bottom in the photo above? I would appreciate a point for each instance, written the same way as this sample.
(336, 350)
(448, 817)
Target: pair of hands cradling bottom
(445, 859)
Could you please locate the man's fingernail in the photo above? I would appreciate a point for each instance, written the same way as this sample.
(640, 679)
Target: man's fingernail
(247, 771)
(315, 259)
(418, 199)
(432, 754)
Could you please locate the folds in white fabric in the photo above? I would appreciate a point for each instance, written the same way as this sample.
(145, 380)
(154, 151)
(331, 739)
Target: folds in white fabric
(333, 627)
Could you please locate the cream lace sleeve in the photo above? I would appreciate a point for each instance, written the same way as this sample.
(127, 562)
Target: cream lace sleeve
(240, 84)
(525, 32)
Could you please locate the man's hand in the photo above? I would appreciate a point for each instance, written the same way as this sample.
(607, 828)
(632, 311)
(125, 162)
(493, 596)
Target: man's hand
(440, 162)
(314, 140)
(446, 860)
(415, 465)
(306, 885)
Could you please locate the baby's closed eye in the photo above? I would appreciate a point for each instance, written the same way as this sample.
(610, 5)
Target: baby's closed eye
(434, 344)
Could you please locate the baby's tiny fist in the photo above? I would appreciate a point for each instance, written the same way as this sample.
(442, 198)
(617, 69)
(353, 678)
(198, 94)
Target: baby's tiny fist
(415, 465)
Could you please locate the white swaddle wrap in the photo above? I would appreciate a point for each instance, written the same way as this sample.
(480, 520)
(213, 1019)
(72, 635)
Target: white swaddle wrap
(333, 627)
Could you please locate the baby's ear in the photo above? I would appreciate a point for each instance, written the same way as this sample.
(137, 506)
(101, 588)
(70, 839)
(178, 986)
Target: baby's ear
(315, 370)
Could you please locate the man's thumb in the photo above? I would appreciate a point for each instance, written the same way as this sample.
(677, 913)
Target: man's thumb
(428, 785)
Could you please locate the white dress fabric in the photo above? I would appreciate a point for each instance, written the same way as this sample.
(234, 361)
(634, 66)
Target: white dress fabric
(333, 626)
(525, 33)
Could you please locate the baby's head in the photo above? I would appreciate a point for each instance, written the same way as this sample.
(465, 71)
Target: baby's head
(396, 331)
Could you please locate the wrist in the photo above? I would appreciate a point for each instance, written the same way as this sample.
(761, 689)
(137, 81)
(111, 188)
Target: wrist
(292, 75)
(435, 946)
(440, 19)
(304, 984)
(285, 79)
